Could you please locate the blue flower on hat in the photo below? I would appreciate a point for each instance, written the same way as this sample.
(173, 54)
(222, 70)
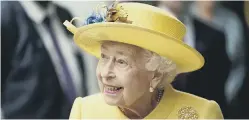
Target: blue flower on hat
(109, 14)
(94, 18)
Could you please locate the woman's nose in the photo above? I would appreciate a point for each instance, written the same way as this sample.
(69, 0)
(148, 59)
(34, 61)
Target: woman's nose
(107, 71)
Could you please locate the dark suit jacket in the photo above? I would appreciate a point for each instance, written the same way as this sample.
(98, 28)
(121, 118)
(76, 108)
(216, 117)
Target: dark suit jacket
(30, 87)
(238, 108)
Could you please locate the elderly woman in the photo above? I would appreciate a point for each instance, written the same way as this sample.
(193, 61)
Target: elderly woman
(140, 52)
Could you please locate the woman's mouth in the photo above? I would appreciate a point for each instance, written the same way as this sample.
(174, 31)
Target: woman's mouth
(112, 90)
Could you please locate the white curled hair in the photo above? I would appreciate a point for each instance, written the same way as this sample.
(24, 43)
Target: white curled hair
(162, 65)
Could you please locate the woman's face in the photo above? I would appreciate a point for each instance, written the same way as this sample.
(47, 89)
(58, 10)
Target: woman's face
(121, 74)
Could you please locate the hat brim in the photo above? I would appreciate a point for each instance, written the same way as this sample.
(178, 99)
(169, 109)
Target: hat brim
(90, 37)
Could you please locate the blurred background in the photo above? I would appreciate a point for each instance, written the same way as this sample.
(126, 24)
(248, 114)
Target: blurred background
(43, 71)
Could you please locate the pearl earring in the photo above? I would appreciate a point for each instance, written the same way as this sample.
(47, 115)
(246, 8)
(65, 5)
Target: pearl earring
(151, 89)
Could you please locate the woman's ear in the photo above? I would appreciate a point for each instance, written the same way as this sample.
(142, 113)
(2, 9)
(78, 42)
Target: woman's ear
(157, 78)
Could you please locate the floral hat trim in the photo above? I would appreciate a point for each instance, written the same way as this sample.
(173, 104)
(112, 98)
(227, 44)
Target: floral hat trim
(114, 13)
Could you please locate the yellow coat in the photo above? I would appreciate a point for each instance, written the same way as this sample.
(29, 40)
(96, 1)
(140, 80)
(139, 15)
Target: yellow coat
(173, 105)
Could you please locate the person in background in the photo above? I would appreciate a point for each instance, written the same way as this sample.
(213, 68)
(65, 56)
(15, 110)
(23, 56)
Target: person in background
(174, 7)
(40, 80)
(1, 116)
(239, 105)
(229, 63)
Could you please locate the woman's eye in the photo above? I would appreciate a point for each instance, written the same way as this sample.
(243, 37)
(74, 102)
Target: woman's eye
(103, 56)
(122, 62)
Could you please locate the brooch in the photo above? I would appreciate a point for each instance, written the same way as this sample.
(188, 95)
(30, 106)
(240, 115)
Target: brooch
(187, 113)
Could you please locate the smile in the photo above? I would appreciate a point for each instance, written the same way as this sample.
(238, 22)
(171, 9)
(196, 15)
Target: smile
(112, 89)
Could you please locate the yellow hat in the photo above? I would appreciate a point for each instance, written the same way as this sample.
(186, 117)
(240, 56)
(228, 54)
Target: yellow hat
(142, 25)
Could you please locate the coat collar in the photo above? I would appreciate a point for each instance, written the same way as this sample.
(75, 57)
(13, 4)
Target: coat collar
(163, 109)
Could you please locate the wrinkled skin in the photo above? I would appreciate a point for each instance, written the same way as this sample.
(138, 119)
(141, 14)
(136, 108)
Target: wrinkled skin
(123, 65)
